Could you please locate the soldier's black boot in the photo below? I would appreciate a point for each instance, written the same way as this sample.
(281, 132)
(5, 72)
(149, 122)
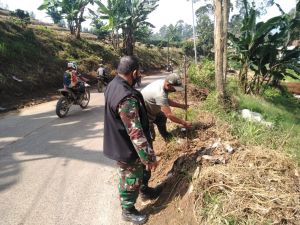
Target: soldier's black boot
(134, 216)
(150, 193)
(167, 137)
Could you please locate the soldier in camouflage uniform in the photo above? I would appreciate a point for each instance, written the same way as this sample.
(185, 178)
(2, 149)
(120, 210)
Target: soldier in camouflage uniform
(132, 175)
(127, 138)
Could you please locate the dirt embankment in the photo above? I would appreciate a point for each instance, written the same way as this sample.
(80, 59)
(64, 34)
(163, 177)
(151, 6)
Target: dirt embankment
(293, 87)
(210, 178)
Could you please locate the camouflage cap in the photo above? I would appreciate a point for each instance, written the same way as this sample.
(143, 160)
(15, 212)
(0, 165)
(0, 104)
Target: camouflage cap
(175, 81)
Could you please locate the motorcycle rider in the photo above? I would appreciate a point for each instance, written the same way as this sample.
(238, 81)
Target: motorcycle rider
(71, 79)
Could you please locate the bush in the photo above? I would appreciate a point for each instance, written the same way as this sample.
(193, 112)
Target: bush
(44, 29)
(23, 16)
(203, 75)
(271, 92)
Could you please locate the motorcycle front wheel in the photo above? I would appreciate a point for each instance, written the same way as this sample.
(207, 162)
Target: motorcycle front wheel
(85, 99)
(62, 107)
(100, 86)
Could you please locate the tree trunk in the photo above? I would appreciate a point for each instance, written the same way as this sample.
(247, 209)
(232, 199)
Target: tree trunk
(113, 39)
(129, 41)
(78, 30)
(219, 49)
(168, 51)
(226, 4)
(78, 23)
(71, 27)
(117, 39)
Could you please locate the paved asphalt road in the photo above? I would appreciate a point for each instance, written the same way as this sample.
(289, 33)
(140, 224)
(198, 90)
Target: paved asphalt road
(53, 171)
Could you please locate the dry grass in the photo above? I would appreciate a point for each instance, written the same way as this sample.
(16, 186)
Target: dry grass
(250, 186)
(253, 185)
(257, 186)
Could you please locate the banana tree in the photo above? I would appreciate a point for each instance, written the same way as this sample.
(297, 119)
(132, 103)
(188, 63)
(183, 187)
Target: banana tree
(113, 14)
(135, 16)
(263, 48)
(53, 10)
(71, 10)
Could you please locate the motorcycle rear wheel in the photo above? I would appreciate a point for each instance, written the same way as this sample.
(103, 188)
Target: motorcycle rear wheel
(62, 107)
(85, 100)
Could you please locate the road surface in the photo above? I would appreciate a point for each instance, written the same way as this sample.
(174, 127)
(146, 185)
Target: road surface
(53, 171)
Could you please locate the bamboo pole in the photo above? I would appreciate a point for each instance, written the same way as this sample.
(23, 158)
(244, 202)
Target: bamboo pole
(186, 102)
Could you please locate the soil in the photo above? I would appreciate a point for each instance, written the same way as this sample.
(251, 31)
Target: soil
(9, 103)
(177, 165)
(27, 99)
(293, 87)
(191, 153)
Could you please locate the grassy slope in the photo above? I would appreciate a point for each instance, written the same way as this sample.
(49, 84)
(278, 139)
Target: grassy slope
(38, 55)
(282, 111)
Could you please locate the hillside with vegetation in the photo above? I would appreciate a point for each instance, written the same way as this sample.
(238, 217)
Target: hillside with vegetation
(227, 169)
(34, 58)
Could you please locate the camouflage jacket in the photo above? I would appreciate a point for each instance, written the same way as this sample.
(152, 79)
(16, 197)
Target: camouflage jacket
(128, 111)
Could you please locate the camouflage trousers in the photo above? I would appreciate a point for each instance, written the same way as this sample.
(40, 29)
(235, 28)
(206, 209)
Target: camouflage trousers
(131, 178)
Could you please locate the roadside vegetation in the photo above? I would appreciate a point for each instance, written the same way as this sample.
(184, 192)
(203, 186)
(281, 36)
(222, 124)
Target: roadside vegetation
(226, 169)
(280, 109)
(34, 57)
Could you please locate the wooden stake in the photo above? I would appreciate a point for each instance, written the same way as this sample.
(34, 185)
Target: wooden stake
(186, 102)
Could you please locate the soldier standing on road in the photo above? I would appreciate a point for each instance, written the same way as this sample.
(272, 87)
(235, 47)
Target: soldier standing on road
(127, 138)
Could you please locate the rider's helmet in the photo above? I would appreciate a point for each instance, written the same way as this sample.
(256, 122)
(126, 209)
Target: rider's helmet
(72, 65)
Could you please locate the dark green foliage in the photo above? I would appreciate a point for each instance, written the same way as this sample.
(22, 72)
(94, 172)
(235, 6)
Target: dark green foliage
(203, 75)
(71, 10)
(53, 10)
(172, 35)
(99, 28)
(264, 48)
(128, 16)
(22, 15)
(205, 30)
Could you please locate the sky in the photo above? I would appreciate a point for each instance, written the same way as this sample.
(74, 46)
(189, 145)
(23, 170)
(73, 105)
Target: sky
(168, 11)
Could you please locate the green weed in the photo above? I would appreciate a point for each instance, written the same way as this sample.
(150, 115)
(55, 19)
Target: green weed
(2, 48)
(283, 112)
(212, 206)
(277, 107)
(230, 220)
(203, 75)
(44, 29)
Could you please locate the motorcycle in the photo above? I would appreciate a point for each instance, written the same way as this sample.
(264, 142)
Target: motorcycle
(169, 68)
(102, 82)
(70, 97)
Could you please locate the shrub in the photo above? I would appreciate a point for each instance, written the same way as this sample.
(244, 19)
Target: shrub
(271, 92)
(203, 75)
(23, 16)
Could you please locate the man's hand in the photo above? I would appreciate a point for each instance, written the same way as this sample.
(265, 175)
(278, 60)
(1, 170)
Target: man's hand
(184, 106)
(187, 124)
(152, 165)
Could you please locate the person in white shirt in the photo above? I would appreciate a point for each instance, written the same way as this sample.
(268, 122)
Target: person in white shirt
(159, 105)
(101, 70)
